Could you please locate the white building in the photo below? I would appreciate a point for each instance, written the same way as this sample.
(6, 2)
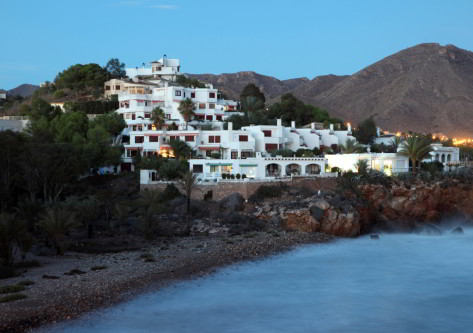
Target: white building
(13, 123)
(257, 168)
(389, 163)
(163, 68)
(445, 155)
(3, 94)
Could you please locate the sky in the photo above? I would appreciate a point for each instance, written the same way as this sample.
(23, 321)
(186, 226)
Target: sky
(284, 39)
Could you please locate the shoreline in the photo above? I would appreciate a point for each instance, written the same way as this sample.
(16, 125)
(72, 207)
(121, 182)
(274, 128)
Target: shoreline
(129, 274)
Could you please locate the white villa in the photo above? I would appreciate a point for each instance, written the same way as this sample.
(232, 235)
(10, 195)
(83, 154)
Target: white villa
(389, 163)
(163, 68)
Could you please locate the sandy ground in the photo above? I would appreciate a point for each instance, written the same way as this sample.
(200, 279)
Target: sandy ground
(128, 274)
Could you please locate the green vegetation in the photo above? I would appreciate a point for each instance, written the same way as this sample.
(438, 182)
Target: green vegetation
(362, 167)
(115, 68)
(91, 107)
(188, 82)
(416, 149)
(187, 110)
(251, 90)
(98, 268)
(351, 147)
(188, 182)
(366, 131)
(11, 298)
(158, 117)
(12, 289)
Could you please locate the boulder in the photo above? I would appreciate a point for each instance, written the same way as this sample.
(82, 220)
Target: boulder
(316, 212)
(233, 203)
(322, 204)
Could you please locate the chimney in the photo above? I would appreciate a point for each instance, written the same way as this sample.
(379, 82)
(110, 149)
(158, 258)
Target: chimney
(293, 124)
(349, 127)
(279, 122)
(331, 127)
(378, 132)
(230, 126)
(312, 126)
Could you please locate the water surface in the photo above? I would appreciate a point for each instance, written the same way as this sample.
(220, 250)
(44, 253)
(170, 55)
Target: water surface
(400, 283)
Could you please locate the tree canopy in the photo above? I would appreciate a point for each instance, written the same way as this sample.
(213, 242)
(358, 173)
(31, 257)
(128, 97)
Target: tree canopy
(80, 77)
(253, 90)
(366, 131)
(115, 68)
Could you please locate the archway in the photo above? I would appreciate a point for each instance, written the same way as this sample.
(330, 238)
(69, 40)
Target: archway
(449, 157)
(437, 157)
(293, 169)
(312, 169)
(443, 158)
(273, 170)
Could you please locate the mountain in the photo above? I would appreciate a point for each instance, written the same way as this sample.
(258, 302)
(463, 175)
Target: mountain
(425, 88)
(232, 84)
(24, 90)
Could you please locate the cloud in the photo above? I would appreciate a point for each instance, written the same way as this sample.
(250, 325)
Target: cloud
(164, 7)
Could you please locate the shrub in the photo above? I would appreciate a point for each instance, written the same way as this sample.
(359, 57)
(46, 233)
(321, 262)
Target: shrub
(335, 169)
(243, 176)
(266, 191)
(238, 176)
(26, 283)
(11, 289)
(59, 94)
(224, 176)
(170, 192)
(98, 268)
(12, 233)
(232, 176)
(208, 195)
(432, 167)
(11, 298)
(282, 152)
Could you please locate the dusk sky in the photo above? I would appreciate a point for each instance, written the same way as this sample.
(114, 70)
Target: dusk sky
(285, 39)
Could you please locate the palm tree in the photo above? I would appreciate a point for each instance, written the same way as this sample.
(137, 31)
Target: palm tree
(188, 183)
(362, 166)
(56, 223)
(251, 104)
(351, 147)
(187, 108)
(416, 149)
(158, 117)
(396, 141)
(179, 148)
(11, 232)
(150, 200)
(88, 210)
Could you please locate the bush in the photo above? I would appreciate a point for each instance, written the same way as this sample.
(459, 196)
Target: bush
(208, 195)
(98, 268)
(266, 191)
(11, 298)
(432, 167)
(335, 169)
(243, 176)
(238, 176)
(170, 192)
(232, 176)
(11, 289)
(224, 176)
(282, 152)
(59, 94)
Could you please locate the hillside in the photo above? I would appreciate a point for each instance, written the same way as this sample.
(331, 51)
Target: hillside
(23, 90)
(425, 88)
(232, 84)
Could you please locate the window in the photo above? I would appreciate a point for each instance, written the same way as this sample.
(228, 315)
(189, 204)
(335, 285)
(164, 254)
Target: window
(200, 116)
(153, 176)
(140, 128)
(201, 106)
(168, 116)
(107, 87)
(267, 133)
(192, 94)
(271, 146)
(214, 139)
(150, 127)
(189, 138)
(197, 168)
(117, 87)
(243, 138)
(219, 118)
(214, 168)
(147, 115)
(211, 105)
(234, 154)
(173, 137)
(139, 139)
(226, 168)
(133, 117)
(131, 153)
(209, 117)
(178, 93)
(154, 138)
(134, 127)
(212, 95)
(127, 116)
(246, 154)
(208, 153)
